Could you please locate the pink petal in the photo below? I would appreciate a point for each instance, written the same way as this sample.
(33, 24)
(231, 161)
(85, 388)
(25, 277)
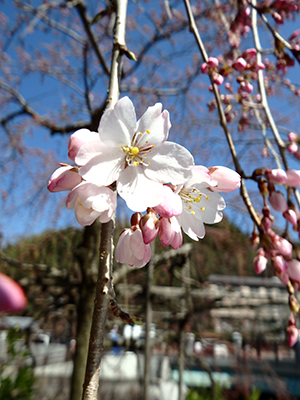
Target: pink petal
(12, 296)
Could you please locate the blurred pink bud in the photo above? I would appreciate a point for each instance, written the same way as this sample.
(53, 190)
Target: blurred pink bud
(12, 296)
(292, 136)
(171, 203)
(280, 263)
(131, 248)
(228, 180)
(246, 86)
(293, 178)
(249, 54)
(277, 17)
(283, 246)
(292, 334)
(64, 178)
(290, 216)
(283, 276)
(149, 227)
(218, 79)
(228, 87)
(213, 62)
(276, 176)
(204, 68)
(258, 66)
(260, 262)
(240, 64)
(294, 270)
(278, 201)
(170, 232)
(79, 138)
(292, 147)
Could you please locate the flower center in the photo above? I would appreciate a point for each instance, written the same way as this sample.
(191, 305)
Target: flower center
(191, 197)
(137, 152)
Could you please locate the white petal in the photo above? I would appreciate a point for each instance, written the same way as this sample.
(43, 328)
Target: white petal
(118, 124)
(137, 244)
(157, 123)
(192, 226)
(170, 163)
(201, 175)
(137, 190)
(213, 204)
(89, 150)
(104, 168)
(85, 216)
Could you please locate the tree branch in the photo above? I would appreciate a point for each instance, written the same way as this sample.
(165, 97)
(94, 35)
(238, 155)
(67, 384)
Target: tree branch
(104, 288)
(94, 42)
(223, 122)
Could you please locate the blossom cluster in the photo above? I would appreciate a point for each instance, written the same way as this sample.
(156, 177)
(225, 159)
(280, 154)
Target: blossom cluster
(150, 173)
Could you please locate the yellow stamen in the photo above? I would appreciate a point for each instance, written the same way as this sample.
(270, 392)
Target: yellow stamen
(136, 163)
(198, 199)
(148, 131)
(134, 151)
(207, 197)
(202, 208)
(193, 212)
(148, 163)
(141, 134)
(190, 207)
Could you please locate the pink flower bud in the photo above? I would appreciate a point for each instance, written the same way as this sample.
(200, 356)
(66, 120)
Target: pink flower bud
(292, 333)
(131, 248)
(228, 87)
(149, 227)
(218, 79)
(246, 86)
(277, 17)
(228, 180)
(64, 178)
(12, 296)
(169, 229)
(258, 65)
(280, 263)
(240, 64)
(79, 138)
(249, 54)
(283, 276)
(204, 68)
(276, 176)
(283, 246)
(292, 136)
(213, 62)
(290, 216)
(293, 178)
(294, 270)
(260, 262)
(278, 201)
(292, 147)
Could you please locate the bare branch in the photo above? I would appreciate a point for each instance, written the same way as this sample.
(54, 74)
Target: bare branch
(94, 42)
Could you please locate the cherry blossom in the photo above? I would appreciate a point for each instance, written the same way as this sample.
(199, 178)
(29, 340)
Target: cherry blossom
(90, 202)
(134, 154)
(199, 204)
(131, 248)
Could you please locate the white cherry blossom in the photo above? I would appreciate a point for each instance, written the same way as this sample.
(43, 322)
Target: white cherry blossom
(135, 154)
